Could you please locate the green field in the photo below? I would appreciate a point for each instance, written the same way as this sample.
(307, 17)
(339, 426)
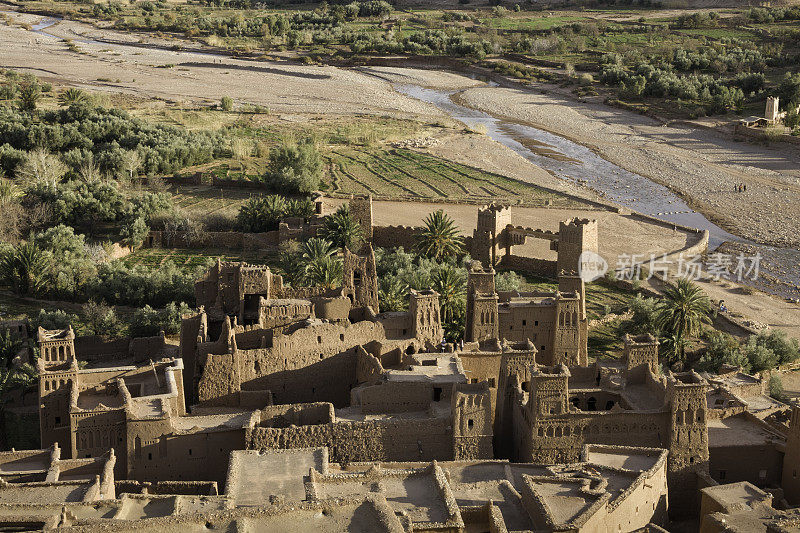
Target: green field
(398, 173)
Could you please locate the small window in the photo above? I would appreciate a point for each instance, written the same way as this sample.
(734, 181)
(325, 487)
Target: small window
(149, 456)
(319, 339)
(190, 451)
(470, 423)
(722, 474)
(524, 322)
(58, 420)
(492, 382)
(437, 394)
(542, 347)
(535, 322)
(405, 332)
(341, 337)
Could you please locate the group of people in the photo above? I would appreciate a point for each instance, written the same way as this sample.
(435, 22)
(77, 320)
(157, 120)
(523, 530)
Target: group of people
(741, 187)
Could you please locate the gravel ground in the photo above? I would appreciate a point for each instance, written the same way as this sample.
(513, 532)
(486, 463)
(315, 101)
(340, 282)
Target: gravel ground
(698, 164)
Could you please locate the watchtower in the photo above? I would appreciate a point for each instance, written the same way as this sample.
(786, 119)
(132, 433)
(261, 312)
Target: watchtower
(488, 237)
(56, 347)
(688, 439)
(575, 236)
(361, 212)
(482, 321)
(791, 459)
(641, 355)
(360, 278)
(471, 407)
(772, 110)
(425, 314)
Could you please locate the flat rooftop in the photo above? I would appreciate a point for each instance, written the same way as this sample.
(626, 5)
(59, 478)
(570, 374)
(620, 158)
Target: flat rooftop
(414, 493)
(255, 475)
(220, 421)
(738, 431)
(431, 367)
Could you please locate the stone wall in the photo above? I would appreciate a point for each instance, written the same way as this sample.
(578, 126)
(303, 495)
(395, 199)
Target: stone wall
(539, 267)
(395, 236)
(396, 439)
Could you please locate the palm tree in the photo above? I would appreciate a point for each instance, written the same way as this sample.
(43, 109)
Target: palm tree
(449, 282)
(440, 237)
(25, 268)
(319, 263)
(682, 312)
(72, 96)
(325, 272)
(9, 192)
(342, 230)
(316, 249)
(10, 345)
(392, 294)
(29, 95)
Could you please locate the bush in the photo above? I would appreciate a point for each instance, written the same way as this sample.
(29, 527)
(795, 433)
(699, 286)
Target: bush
(226, 104)
(57, 319)
(508, 281)
(294, 167)
(723, 349)
(776, 388)
(149, 322)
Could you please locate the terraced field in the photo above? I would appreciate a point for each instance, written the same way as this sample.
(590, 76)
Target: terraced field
(399, 173)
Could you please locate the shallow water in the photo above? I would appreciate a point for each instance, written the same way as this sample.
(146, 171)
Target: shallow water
(578, 164)
(573, 162)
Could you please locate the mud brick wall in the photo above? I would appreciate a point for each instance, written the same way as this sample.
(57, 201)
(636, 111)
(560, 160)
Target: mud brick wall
(375, 440)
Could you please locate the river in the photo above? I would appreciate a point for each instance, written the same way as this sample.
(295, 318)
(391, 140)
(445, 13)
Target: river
(575, 163)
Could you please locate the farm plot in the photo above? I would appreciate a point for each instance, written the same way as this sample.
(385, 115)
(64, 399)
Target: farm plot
(399, 173)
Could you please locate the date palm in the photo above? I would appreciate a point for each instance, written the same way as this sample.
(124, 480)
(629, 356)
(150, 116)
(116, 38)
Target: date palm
(682, 312)
(342, 230)
(439, 237)
(392, 294)
(72, 96)
(29, 95)
(25, 268)
(449, 282)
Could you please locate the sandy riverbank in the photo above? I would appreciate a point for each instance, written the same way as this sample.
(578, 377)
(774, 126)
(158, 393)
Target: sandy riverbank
(700, 165)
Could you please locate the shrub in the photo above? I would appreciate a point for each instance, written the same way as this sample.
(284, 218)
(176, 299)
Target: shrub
(294, 167)
(226, 104)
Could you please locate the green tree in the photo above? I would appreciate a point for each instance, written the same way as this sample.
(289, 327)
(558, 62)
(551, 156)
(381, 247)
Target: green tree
(10, 346)
(261, 213)
(451, 285)
(295, 167)
(342, 230)
(439, 238)
(226, 103)
(681, 314)
(392, 294)
(721, 349)
(29, 95)
(325, 272)
(25, 268)
(100, 318)
(789, 89)
(72, 96)
(134, 233)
